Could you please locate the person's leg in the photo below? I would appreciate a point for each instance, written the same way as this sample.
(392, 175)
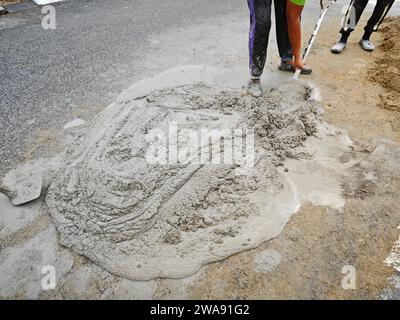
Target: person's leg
(380, 11)
(260, 25)
(381, 8)
(294, 10)
(358, 7)
(282, 35)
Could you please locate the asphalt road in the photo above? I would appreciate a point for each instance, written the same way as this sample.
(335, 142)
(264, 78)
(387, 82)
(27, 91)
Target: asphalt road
(91, 56)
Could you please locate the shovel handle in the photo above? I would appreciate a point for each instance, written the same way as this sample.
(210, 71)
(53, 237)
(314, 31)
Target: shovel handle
(297, 74)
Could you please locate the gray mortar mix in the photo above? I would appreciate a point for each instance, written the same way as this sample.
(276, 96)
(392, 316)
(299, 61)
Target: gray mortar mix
(144, 221)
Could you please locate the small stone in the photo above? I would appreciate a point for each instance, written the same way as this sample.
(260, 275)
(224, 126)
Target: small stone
(23, 184)
(207, 220)
(44, 2)
(74, 123)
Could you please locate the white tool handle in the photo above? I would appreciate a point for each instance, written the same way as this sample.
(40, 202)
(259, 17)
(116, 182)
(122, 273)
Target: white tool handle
(297, 74)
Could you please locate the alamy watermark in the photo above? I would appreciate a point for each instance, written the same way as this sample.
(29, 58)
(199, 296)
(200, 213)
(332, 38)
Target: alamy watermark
(205, 146)
(349, 281)
(49, 20)
(49, 280)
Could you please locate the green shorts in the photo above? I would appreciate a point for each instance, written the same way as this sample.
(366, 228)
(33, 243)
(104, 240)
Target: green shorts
(299, 2)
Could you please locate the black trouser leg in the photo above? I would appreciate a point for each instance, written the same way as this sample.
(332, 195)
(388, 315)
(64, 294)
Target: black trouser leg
(282, 34)
(377, 15)
(260, 25)
(358, 7)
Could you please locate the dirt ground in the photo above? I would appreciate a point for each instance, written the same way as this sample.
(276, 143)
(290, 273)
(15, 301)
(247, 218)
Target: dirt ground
(352, 98)
(386, 71)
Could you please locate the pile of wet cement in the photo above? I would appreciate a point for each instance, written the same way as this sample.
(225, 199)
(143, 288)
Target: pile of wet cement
(142, 220)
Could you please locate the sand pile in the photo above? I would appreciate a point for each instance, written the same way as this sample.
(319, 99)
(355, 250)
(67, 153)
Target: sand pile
(144, 220)
(386, 70)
